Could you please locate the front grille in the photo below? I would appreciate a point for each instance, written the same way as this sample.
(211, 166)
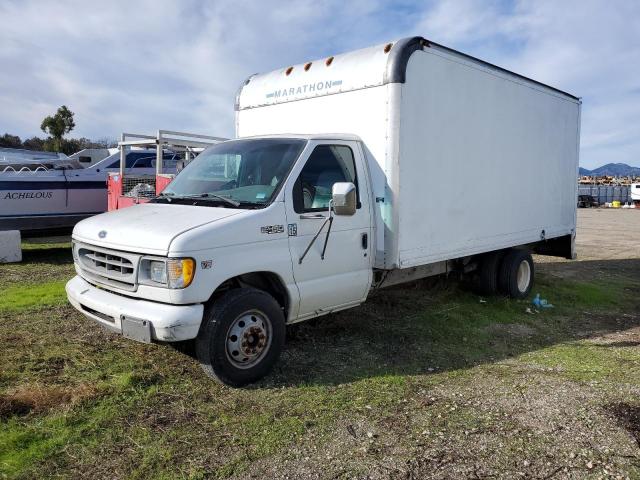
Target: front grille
(108, 267)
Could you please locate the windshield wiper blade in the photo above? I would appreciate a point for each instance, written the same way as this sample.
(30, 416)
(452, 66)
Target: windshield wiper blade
(220, 197)
(252, 204)
(165, 196)
(206, 196)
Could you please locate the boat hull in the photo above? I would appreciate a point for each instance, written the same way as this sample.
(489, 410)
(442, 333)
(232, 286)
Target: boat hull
(49, 201)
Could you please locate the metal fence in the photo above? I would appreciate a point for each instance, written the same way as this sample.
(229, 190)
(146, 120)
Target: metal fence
(140, 186)
(606, 193)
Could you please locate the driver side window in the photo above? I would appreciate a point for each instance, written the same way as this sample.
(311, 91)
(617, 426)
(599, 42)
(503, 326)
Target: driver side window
(327, 164)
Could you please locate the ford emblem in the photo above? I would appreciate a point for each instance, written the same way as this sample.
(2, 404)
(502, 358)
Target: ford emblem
(102, 233)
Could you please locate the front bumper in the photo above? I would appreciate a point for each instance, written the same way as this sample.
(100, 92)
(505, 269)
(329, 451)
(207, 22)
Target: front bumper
(139, 320)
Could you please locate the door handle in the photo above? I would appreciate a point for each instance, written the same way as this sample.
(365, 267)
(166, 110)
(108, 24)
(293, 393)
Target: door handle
(365, 241)
(312, 216)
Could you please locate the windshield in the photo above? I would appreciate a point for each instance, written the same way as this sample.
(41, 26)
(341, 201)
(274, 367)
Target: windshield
(244, 171)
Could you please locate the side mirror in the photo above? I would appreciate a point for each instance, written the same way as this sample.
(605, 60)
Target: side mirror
(344, 199)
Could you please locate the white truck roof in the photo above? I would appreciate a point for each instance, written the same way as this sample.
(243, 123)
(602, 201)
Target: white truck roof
(364, 68)
(311, 136)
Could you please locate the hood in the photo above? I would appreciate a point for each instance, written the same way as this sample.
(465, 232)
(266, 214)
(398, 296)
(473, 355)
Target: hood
(146, 228)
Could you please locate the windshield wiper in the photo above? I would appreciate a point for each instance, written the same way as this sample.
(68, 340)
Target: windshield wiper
(250, 204)
(207, 196)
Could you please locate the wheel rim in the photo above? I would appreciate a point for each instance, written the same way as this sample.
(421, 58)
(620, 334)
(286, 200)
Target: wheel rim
(524, 276)
(248, 339)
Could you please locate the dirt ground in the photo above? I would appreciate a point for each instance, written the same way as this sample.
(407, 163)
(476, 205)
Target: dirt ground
(607, 241)
(423, 381)
(608, 234)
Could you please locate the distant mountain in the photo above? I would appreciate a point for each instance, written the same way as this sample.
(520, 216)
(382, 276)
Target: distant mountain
(612, 169)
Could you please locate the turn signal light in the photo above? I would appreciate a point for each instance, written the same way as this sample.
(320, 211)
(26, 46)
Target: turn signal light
(180, 272)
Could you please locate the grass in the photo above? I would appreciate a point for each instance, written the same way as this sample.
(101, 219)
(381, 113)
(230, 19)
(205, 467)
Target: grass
(18, 298)
(42, 263)
(418, 381)
(586, 362)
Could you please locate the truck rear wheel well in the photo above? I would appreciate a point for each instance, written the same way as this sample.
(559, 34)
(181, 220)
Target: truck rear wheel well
(266, 281)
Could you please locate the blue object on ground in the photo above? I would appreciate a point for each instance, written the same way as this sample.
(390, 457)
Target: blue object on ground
(541, 302)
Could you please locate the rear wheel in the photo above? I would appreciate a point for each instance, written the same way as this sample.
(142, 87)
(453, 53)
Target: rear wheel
(516, 274)
(486, 278)
(241, 336)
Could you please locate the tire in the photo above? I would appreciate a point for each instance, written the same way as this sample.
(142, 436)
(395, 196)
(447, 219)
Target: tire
(241, 337)
(486, 280)
(516, 274)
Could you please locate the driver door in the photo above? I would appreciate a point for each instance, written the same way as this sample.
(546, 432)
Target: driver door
(343, 277)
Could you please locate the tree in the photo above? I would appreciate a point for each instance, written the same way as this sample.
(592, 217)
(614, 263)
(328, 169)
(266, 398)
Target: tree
(11, 141)
(33, 143)
(70, 145)
(106, 142)
(73, 145)
(59, 124)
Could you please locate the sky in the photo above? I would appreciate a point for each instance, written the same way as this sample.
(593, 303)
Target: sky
(141, 65)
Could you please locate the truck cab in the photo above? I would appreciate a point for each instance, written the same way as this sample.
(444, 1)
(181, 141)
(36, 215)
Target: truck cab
(280, 225)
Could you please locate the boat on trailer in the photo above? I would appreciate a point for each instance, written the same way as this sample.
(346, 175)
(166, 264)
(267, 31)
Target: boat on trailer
(48, 194)
(24, 156)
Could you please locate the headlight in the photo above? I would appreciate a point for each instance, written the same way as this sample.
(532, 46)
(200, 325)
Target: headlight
(172, 272)
(158, 271)
(181, 272)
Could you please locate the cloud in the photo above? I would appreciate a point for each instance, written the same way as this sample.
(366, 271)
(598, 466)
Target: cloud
(149, 64)
(589, 48)
(143, 65)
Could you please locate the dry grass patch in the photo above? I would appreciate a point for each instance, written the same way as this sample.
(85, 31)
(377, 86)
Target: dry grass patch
(26, 399)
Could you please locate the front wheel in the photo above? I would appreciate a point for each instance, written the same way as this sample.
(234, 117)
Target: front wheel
(241, 336)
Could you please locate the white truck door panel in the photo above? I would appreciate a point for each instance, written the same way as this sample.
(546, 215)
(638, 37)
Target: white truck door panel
(343, 277)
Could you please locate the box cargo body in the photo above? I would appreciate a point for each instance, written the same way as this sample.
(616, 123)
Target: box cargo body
(465, 157)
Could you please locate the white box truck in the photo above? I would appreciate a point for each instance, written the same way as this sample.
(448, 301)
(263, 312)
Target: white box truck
(635, 193)
(348, 174)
